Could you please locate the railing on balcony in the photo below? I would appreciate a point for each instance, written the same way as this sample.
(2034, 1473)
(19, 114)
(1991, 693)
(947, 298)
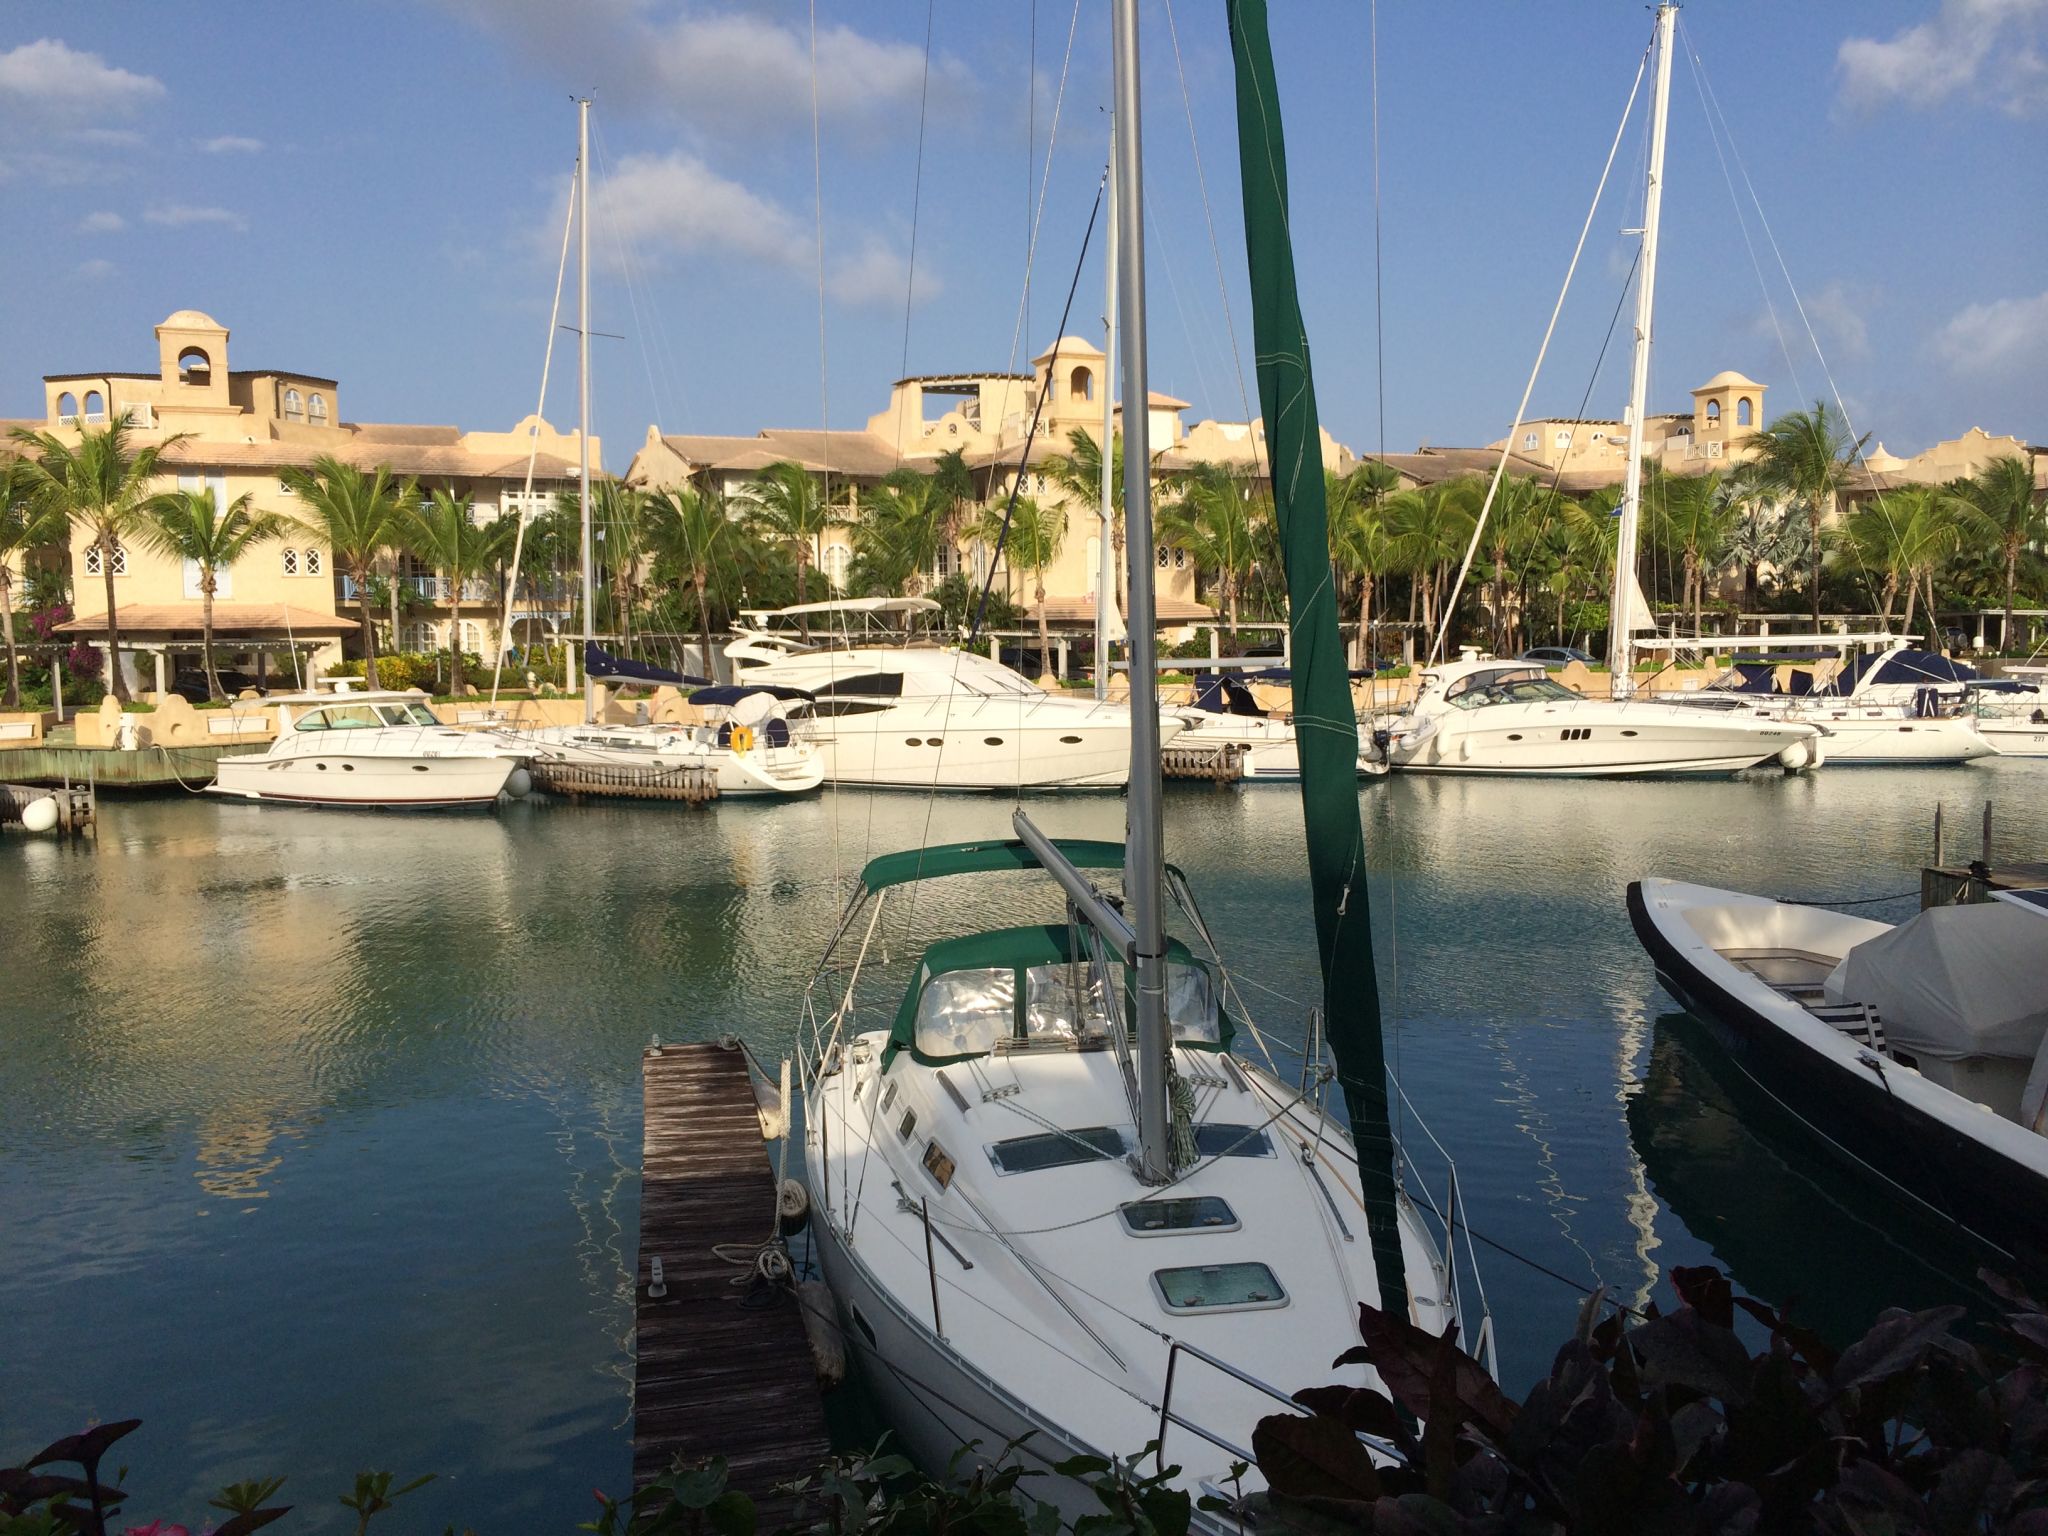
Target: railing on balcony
(477, 589)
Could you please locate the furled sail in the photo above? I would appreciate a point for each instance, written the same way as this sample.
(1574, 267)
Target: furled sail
(1325, 725)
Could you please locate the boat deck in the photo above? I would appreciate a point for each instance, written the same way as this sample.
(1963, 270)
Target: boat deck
(720, 1370)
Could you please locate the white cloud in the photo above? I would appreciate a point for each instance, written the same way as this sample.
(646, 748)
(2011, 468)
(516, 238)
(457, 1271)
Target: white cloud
(674, 204)
(1989, 48)
(1838, 312)
(230, 144)
(97, 270)
(182, 215)
(877, 273)
(53, 80)
(102, 224)
(1996, 338)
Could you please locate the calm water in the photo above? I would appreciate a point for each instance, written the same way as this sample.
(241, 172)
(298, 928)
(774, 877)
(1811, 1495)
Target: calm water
(318, 1132)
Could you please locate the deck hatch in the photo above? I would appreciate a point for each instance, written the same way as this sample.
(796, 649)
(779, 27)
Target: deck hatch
(1246, 1287)
(1164, 1218)
(1057, 1149)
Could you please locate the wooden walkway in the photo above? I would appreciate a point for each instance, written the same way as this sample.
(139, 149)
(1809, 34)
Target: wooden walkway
(715, 1375)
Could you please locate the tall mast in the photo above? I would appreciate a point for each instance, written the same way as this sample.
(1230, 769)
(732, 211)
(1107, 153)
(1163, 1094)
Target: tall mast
(1105, 563)
(1623, 609)
(583, 376)
(1144, 851)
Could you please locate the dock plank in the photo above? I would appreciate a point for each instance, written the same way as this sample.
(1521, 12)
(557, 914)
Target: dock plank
(718, 1370)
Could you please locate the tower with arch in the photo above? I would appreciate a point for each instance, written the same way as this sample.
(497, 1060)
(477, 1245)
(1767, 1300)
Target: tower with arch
(1727, 409)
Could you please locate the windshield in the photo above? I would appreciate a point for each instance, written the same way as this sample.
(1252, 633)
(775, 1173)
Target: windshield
(1528, 686)
(340, 717)
(407, 714)
(977, 674)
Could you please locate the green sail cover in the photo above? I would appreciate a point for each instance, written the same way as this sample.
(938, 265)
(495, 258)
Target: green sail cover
(1325, 725)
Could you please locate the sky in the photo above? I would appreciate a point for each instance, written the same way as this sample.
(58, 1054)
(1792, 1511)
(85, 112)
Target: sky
(374, 192)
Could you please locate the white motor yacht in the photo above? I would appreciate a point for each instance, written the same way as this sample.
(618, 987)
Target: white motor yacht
(1886, 703)
(1512, 717)
(927, 717)
(765, 635)
(372, 749)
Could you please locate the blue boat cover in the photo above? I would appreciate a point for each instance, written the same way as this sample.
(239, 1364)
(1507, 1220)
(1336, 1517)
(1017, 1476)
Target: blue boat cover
(1757, 677)
(604, 667)
(1903, 667)
(732, 693)
(1221, 695)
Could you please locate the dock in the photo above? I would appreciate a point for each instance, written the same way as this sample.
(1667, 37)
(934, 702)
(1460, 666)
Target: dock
(59, 760)
(721, 1369)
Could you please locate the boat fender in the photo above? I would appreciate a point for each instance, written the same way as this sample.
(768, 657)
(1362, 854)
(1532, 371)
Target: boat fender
(40, 815)
(519, 784)
(1465, 751)
(742, 740)
(1795, 757)
(792, 1207)
(821, 1329)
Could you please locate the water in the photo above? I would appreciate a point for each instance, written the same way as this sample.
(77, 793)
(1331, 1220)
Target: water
(318, 1131)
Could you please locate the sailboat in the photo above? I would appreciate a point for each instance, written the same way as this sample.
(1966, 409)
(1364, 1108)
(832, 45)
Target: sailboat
(1482, 715)
(1059, 1205)
(748, 750)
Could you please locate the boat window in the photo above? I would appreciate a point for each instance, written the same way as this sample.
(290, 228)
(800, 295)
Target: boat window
(1217, 1140)
(938, 1163)
(1218, 1288)
(1162, 1218)
(341, 717)
(1191, 1009)
(1063, 1001)
(1533, 686)
(963, 1013)
(833, 707)
(1057, 1149)
(873, 685)
(406, 714)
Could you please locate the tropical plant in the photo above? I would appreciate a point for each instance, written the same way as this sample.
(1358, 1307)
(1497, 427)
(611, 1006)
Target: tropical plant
(359, 515)
(1431, 528)
(443, 532)
(1031, 543)
(99, 484)
(1760, 532)
(1361, 544)
(1693, 515)
(1805, 457)
(900, 533)
(191, 526)
(1219, 518)
(618, 518)
(1078, 475)
(26, 525)
(1999, 505)
(693, 539)
(784, 504)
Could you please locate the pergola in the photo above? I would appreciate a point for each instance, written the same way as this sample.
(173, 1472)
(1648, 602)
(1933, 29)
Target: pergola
(262, 630)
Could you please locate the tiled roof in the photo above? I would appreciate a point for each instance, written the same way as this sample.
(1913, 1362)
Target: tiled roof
(1081, 610)
(229, 620)
(426, 460)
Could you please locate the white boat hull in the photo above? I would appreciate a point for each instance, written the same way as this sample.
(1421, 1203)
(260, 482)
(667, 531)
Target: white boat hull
(966, 743)
(1593, 740)
(2014, 738)
(761, 770)
(346, 779)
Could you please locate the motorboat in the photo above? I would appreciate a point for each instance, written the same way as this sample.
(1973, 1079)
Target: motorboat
(369, 749)
(1918, 1051)
(1478, 715)
(746, 741)
(1224, 716)
(765, 635)
(1884, 701)
(929, 717)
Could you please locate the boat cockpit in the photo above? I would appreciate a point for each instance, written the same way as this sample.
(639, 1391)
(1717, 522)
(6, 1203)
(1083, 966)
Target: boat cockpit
(1507, 685)
(357, 716)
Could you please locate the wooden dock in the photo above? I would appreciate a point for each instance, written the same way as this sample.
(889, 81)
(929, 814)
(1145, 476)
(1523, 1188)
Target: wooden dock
(720, 1369)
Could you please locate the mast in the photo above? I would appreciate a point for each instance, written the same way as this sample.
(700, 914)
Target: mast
(1144, 854)
(1623, 608)
(1105, 563)
(583, 378)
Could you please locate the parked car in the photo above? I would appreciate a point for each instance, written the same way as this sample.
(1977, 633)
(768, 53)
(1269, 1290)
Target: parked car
(1556, 655)
(192, 685)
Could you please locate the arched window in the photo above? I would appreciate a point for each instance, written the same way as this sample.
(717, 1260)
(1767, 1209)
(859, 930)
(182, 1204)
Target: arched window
(1744, 411)
(835, 562)
(310, 563)
(291, 561)
(1081, 384)
(421, 637)
(194, 366)
(1713, 413)
(293, 406)
(67, 406)
(316, 408)
(472, 637)
(95, 406)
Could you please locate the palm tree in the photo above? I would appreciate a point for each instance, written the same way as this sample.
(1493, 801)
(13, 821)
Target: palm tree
(101, 485)
(1693, 516)
(1033, 542)
(901, 531)
(1078, 475)
(784, 504)
(1361, 544)
(359, 515)
(1431, 528)
(190, 526)
(444, 532)
(1218, 519)
(692, 538)
(618, 517)
(25, 525)
(1805, 457)
(1998, 506)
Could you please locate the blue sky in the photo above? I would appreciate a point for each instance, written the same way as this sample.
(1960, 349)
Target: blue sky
(373, 192)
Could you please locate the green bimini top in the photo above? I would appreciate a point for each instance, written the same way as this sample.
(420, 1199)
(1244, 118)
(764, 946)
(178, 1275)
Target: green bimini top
(974, 858)
(1018, 984)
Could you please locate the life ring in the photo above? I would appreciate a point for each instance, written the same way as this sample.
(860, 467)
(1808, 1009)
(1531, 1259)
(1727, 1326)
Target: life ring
(742, 740)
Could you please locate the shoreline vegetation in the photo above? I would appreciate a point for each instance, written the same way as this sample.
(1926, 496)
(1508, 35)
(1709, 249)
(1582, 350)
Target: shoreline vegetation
(1647, 1422)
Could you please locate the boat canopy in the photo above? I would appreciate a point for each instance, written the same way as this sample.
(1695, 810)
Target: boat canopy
(1221, 695)
(976, 858)
(604, 667)
(1954, 982)
(1909, 667)
(1038, 985)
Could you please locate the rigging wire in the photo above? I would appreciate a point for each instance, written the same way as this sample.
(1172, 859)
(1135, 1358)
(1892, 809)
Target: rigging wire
(1037, 222)
(1500, 469)
(916, 200)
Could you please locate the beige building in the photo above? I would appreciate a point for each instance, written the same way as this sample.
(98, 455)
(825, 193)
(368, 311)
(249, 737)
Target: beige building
(240, 430)
(987, 418)
(1587, 453)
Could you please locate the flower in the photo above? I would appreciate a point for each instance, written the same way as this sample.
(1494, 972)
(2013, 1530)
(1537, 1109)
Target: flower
(156, 1528)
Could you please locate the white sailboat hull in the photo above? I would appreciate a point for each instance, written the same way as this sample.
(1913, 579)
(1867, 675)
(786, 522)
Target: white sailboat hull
(761, 770)
(2014, 737)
